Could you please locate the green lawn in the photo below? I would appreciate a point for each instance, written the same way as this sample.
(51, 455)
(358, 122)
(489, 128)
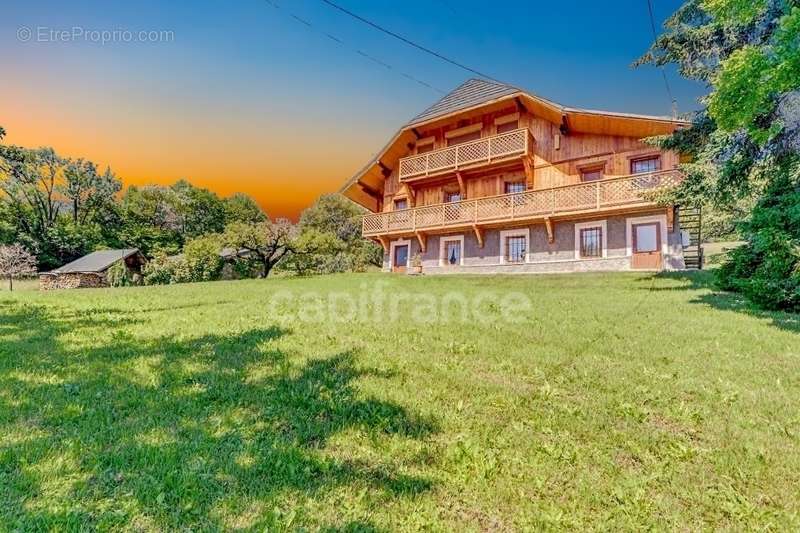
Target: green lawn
(618, 401)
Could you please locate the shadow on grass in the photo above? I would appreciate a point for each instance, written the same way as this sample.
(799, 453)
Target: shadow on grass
(703, 283)
(175, 433)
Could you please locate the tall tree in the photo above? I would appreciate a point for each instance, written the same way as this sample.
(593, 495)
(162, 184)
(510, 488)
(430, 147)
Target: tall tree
(88, 192)
(747, 139)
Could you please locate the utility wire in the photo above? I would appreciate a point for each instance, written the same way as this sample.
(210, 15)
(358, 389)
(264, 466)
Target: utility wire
(409, 41)
(663, 72)
(363, 54)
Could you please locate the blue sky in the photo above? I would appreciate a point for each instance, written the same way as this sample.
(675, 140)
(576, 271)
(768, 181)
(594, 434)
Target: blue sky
(247, 80)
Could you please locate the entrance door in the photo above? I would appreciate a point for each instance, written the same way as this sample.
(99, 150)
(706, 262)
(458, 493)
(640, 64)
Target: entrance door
(400, 259)
(646, 246)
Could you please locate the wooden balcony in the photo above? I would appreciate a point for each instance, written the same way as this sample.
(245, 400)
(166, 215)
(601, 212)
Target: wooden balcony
(477, 153)
(600, 196)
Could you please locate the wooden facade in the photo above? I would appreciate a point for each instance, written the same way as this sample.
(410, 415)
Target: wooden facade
(509, 161)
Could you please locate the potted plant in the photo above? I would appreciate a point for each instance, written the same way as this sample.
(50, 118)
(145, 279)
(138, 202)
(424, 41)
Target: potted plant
(416, 264)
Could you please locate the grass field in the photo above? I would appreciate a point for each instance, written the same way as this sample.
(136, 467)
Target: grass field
(620, 401)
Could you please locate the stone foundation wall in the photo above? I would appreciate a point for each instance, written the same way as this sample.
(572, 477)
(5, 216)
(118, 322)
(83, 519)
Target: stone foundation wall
(544, 256)
(71, 281)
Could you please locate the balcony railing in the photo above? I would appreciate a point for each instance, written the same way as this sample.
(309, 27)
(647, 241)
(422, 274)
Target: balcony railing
(486, 150)
(529, 205)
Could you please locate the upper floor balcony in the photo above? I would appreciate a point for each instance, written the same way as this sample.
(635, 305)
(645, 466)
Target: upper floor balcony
(625, 192)
(480, 152)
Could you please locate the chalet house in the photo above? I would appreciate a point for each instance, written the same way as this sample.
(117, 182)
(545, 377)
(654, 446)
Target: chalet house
(90, 270)
(495, 179)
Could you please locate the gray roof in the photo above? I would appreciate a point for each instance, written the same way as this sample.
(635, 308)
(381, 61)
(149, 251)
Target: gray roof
(96, 261)
(470, 93)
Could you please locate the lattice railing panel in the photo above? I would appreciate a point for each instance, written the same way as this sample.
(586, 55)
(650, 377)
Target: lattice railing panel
(575, 197)
(451, 158)
(428, 217)
(473, 152)
(413, 166)
(508, 143)
(442, 159)
(493, 208)
(532, 203)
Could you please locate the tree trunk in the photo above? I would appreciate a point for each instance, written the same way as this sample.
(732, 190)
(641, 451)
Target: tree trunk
(10, 283)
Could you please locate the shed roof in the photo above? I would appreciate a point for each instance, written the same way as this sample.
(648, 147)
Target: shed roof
(96, 262)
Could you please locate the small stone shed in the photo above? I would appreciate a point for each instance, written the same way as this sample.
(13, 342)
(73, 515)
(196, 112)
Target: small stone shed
(90, 270)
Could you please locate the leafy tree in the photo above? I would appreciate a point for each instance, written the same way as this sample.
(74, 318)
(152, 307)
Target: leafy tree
(334, 214)
(149, 220)
(89, 193)
(16, 261)
(745, 143)
(240, 207)
(315, 252)
(199, 211)
(267, 242)
(30, 180)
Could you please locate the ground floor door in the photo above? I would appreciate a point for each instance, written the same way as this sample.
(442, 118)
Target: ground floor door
(400, 258)
(647, 246)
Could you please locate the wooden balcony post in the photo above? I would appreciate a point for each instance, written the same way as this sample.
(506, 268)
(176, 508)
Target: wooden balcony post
(513, 200)
(414, 219)
(597, 193)
(489, 148)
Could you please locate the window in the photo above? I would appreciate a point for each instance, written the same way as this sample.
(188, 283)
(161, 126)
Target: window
(452, 196)
(399, 205)
(451, 249)
(514, 244)
(467, 137)
(515, 248)
(591, 242)
(592, 173)
(424, 148)
(513, 187)
(452, 252)
(507, 126)
(646, 164)
(591, 239)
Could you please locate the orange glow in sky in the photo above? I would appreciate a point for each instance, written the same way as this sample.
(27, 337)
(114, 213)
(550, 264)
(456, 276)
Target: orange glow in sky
(285, 170)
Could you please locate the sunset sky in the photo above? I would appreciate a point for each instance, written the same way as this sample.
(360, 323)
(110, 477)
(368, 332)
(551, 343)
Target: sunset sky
(245, 97)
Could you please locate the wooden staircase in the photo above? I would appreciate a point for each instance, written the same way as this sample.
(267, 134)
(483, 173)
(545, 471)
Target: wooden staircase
(691, 221)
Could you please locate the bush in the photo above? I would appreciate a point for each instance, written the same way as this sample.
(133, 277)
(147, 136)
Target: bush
(160, 270)
(767, 268)
(201, 260)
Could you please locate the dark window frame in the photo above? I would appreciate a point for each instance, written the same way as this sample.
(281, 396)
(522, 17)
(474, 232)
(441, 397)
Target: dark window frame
(596, 250)
(516, 254)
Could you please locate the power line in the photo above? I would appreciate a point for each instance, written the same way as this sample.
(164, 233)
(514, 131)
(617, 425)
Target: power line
(663, 71)
(363, 54)
(409, 41)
